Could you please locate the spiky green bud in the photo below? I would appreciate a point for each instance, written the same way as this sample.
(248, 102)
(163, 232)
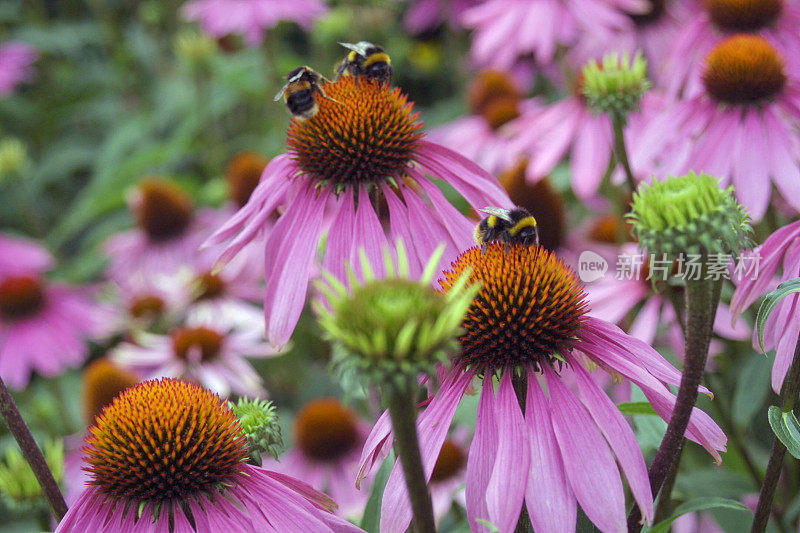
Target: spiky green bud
(392, 329)
(615, 86)
(689, 215)
(18, 484)
(260, 425)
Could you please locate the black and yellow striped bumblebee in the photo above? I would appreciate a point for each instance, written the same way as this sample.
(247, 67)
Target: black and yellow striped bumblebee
(507, 225)
(300, 92)
(366, 60)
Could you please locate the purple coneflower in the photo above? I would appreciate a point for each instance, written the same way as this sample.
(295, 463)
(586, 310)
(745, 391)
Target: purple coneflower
(775, 20)
(508, 29)
(251, 18)
(205, 352)
(743, 128)
(494, 100)
(168, 235)
(781, 249)
(327, 446)
(16, 65)
(528, 326)
(362, 148)
(168, 456)
(44, 327)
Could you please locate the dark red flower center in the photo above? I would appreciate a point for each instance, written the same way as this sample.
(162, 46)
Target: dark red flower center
(325, 430)
(529, 308)
(165, 210)
(210, 286)
(21, 297)
(102, 382)
(363, 133)
(147, 305)
(244, 173)
(493, 94)
(206, 340)
(744, 69)
(449, 463)
(743, 15)
(166, 439)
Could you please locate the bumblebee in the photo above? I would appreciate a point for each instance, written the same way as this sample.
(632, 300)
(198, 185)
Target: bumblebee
(366, 60)
(300, 92)
(507, 225)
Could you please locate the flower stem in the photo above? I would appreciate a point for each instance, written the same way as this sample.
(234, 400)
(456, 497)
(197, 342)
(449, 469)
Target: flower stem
(620, 151)
(789, 392)
(402, 410)
(31, 452)
(702, 296)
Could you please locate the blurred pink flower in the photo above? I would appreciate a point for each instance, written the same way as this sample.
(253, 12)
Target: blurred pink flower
(168, 235)
(775, 20)
(742, 129)
(251, 18)
(327, 445)
(781, 251)
(558, 453)
(426, 15)
(44, 327)
(204, 352)
(18, 256)
(342, 191)
(16, 65)
(508, 29)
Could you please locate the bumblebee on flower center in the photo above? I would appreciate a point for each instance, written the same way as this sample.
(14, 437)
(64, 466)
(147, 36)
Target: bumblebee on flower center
(364, 132)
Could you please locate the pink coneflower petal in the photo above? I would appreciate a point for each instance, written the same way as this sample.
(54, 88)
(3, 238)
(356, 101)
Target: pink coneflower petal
(620, 437)
(782, 158)
(589, 464)
(647, 320)
(287, 284)
(549, 499)
(376, 446)
(19, 256)
(340, 237)
(418, 244)
(750, 175)
(506, 489)
(480, 461)
(370, 236)
(590, 156)
(785, 349)
(459, 228)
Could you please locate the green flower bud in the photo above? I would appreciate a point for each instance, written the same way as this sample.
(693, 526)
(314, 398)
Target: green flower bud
(18, 485)
(395, 328)
(260, 424)
(615, 86)
(689, 215)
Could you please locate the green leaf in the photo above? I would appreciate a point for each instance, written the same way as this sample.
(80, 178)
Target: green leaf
(752, 389)
(492, 528)
(699, 504)
(786, 428)
(770, 301)
(636, 408)
(371, 521)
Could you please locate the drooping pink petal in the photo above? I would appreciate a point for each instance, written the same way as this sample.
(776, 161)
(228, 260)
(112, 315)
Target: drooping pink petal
(588, 462)
(549, 499)
(506, 489)
(480, 460)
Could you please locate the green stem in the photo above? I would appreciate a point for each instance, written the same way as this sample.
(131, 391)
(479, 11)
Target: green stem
(702, 296)
(31, 452)
(402, 410)
(621, 152)
(789, 392)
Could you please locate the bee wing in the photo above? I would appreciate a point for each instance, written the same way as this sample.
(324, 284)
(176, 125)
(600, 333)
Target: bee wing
(360, 48)
(499, 212)
(280, 93)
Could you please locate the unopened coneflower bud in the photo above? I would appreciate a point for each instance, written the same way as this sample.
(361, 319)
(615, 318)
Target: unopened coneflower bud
(392, 329)
(195, 48)
(260, 425)
(18, 485)
(689, 215)
(13, 157)
(616, 85)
